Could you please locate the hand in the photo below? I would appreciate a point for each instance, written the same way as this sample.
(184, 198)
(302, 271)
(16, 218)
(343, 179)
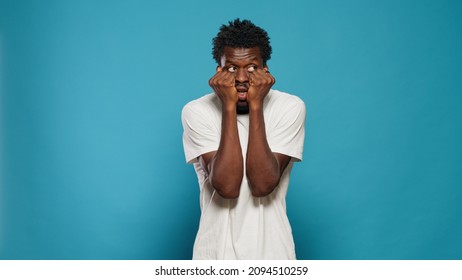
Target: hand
(223, 84)
(261, 82)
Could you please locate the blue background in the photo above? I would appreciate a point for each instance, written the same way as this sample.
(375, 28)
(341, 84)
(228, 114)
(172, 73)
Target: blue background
(92, 163)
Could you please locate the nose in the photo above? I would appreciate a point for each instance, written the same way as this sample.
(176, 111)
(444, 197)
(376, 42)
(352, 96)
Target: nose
(242, 76)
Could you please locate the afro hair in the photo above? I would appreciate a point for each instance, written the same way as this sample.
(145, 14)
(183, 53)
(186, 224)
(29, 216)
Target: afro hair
(241, 34)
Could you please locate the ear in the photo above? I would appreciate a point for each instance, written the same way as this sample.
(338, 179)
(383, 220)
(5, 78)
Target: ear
(218, 69)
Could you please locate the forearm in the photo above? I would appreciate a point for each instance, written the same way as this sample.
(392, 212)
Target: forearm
(262, 167)
(226, 167)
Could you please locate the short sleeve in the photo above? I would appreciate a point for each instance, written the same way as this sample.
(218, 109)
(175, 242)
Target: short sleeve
(200, 135)
(286, 131)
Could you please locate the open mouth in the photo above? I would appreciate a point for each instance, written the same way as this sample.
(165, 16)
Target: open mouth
(242, 95)
(242, 92)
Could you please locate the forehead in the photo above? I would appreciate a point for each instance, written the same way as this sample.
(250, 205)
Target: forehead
(241, 55)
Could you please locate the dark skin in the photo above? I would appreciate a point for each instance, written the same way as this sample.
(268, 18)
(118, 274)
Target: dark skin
(242, 81)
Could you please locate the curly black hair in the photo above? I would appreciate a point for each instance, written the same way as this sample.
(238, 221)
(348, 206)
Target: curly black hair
(241, 34)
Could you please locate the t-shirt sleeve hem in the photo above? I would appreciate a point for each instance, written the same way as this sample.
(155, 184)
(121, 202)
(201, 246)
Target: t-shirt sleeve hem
(193, 157)
(296, 155)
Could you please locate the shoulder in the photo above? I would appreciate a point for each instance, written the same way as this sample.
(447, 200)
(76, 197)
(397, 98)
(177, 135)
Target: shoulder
(201, 102)
(284, 101)
(207, 104)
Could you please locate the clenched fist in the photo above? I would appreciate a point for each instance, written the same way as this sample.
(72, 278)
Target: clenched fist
(261, 82)
(223, 84)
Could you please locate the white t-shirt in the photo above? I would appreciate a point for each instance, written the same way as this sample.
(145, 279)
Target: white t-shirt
(246, 227)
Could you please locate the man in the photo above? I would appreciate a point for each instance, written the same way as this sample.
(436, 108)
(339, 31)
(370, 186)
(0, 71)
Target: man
(242, 140)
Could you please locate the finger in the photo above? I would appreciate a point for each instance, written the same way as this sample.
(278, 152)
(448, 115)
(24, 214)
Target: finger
(218, 76)
(212, 81)
(227, 78)
(223, 79)
(273, 79)
(268, 75)
(258, 76)
(262, 78)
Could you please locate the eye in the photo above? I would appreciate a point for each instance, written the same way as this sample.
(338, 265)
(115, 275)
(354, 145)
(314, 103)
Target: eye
(232, 69)
(251, 68)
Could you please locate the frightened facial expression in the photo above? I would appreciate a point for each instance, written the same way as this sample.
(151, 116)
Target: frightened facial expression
(241, 62)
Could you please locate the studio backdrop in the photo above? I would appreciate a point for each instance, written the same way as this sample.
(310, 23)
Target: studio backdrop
(91, 156)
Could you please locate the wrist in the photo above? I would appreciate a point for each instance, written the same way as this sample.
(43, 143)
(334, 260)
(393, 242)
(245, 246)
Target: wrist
(256, 105)
(229, 108)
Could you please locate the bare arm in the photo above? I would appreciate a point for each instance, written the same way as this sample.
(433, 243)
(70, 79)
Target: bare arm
(225, 166)
(263, 167)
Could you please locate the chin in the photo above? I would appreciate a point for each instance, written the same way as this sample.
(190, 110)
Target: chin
(242, 107)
